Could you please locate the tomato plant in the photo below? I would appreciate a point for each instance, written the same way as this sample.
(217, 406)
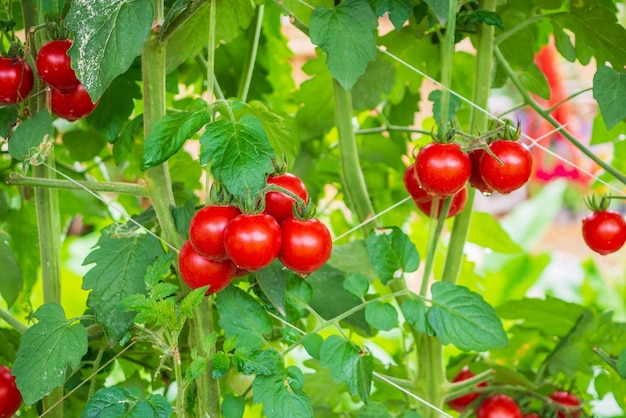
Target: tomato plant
(278, 204)
(604, 231)
(462, 402)
(16, 80)
(442, 169)
(54, 65)
(10, 397)
(252, 241)
(206, 230)
(306, 245)
(198, 271)
(512, 170)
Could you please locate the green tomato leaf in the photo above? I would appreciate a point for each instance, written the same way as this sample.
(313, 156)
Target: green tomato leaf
(621, 364)
(118, 402)
(352, 258)
(11, 283)
(8, 119)
(392, 253)
(188, 39)
(121, 259)
(48, 351)
(272, 281)
(347, 34)
(221, 364)
(282, 396)
(248, 328)
(192, 301)
(374, 410)
(313, 344)
(347, 363)
(109, 35)
(239, 154)
(170, 133)
(357, 285)
(232, 15)
(10, 342)
(454, 105)
(399, 12)
(197, 368)
(487, 232)
(233, 406)
(382, 316)
(533, 79)
(315, 99)
(609, 89)
(266, 362)
(415, 313)
(374, 85)
(463, 318)
(84, 145)
(440, 8)
(159, 269)
(32, 138)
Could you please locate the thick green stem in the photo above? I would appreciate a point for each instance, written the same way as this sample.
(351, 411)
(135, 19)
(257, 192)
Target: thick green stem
(11, 320)
(446, 62)
(94, 186)
(244, 86)
(433, 240)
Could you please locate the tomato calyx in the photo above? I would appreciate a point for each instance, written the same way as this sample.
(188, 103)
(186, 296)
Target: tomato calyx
(600, 204)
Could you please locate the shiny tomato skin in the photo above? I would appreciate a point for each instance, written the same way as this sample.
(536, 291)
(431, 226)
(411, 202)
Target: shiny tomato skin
(476, 179)
(54, 65)
(498, 406)
(279, 205)
(206, 230)
(604, 231)
(442, 169)
(457, 205)
(252, 241)
(516, 169)
(462, 402)
(71, 105)
(566, 399)
(306, 245)
(10, 396)
(16, 80)
(197, 271)
(412, 185)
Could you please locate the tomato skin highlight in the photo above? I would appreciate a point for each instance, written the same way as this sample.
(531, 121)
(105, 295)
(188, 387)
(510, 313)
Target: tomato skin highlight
(442, 169)
(604, 231)
(16, 80)
(279, 205)
(206, 230)
(306, 245)
(10, 396)
(566, 399)
(462, 402)
(71, 105)
(197, 271)
(498, 406)
(252, 241)
(54, 65)
(515, 171)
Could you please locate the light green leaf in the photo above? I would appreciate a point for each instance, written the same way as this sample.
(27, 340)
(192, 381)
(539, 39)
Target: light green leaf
(192, 301)
(382, 316)
(621, 364)
(48, 351)
(258, 362)
(486, 231)
(232, 15)
(313, 344)
(282, 396)
(188, 39)
(197, 368)
(601, 135)
(32, 138)
(121, 260)
(347, 34)
(463, 318)
(535, 81)
(414, 311)
(374, 409)
(109, 35)
(392, 253)
(233, 406)
(347, 363)
(272, 281)
(159, 269)
(11, 283)
(118, 402)
(455, 104)
(239, 154)
(221, 363)
(357, 285)
(352, 258)
(609, 89)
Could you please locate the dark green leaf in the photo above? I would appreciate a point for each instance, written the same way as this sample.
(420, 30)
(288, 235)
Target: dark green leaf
(535, 81)
(372, 87)
(312, 344)
(8, 118)
(563, 42)
(248, 328)
(352, 258)
(414, 311)
(347, 363)
(221, 363)
(298, 294)
(392, 253)
(381, 316)
(481, 16)
(621, 364)
(463, 318)
(440, 8)
(487, 232)
(454, 105)
(48, 350)
(272, 281)
(11, 283)
(121, 260)
(315, 97)
(84, 145)
(609, 89)
(374, 410)
(188, 39)
(114, 402)
(109, 35)
(347, 35)
(282, 395)
(399, 12)
(233, 406)
(257, 362)
(32, 138)
(357, 285)
(231, 16)
(10, 342)
(239, 154)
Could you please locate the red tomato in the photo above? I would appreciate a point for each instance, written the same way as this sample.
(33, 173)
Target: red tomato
(515, 171)
(16, 80)
(442, 169)
(206, 230)
(10, 396)
(568, 400)
(604, 231)
(457, 205)
(412, 185)
(73, 104)
(252, 241)
(197, 271)
(54, 66)
(498, 406)
(461, 403)
(278, 204)
(306, 245)
(476, 179)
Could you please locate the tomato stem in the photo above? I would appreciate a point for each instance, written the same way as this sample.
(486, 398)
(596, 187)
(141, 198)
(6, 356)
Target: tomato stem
(11, 320)
(54, 183)
(446, 62)
(244, 87)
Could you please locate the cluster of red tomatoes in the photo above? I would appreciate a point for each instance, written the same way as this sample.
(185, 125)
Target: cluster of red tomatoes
(10, 396)
(224, 242)
(68, 97)
(503, 406)
(442, 170)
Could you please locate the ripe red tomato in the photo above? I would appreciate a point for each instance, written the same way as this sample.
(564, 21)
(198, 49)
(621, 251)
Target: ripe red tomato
(10, 396)
(515, 171)
(442, 169)
(604, 231)
(498, 406)
(461, 403)
(54, 66)
(252, 241)
(73, 104)
(412, 185)
(278, 204)
(476, 179)
(306, 245)
(568, 400)
(197, 271)
(457, 205)
(206, 230)
(16, 80)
